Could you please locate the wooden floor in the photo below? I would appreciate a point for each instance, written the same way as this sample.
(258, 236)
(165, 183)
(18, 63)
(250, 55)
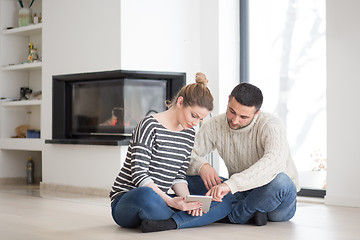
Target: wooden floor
(26, 215)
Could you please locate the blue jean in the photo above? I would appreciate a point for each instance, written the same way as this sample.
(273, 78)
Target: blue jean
(129, 209)
(277, 199)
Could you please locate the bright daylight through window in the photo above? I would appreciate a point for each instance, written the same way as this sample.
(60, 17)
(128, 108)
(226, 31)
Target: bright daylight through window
(287, 60)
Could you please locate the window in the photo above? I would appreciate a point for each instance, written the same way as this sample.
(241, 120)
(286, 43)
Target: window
(287, 61)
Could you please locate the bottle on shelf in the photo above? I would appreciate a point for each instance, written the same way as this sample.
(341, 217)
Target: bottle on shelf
(30, 171)
(36, 19)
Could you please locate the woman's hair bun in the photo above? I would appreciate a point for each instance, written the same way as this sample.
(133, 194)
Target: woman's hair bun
(201, 78)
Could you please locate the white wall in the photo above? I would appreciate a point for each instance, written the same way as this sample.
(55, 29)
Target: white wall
(229, 50)
(78, 36)
(343, 86)
(183, 35)
(92, 35)
(160, 35)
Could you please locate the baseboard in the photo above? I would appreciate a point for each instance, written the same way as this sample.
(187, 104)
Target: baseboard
(346, 201)
(18, 181)
(50, 187)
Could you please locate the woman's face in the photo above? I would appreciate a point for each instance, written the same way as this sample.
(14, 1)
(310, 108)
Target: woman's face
(190, 116)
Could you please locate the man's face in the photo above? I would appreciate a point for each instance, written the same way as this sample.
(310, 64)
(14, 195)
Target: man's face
(239, 115)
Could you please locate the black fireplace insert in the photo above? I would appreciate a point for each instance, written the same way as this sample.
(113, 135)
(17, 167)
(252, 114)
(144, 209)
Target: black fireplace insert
(104, 107)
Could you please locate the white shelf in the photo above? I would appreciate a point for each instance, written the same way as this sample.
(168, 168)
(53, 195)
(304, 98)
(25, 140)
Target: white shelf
(23, 66)
(26, 144)
(21, 103)
(24, 31)
(17, 73)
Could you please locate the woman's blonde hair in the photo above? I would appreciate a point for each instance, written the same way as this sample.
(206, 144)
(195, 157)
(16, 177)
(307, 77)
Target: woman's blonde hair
(195, 94)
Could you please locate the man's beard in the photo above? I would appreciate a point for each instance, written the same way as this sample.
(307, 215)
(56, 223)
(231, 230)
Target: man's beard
(237, 126)
(232, 126)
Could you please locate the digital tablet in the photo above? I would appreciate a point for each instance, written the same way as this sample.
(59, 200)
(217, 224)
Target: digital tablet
(205, 200)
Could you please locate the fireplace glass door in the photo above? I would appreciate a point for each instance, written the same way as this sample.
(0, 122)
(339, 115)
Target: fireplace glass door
(114, 107)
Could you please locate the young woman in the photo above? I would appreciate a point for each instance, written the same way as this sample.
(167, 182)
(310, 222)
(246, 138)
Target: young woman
(157, 159)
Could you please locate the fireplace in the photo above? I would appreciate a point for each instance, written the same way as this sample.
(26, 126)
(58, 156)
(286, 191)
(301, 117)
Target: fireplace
(104, 107)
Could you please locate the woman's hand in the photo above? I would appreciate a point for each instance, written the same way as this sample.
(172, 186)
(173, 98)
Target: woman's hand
(196, 212)
(180, 204)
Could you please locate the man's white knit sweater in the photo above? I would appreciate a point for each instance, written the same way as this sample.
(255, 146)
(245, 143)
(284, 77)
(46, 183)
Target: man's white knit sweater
(253, 155)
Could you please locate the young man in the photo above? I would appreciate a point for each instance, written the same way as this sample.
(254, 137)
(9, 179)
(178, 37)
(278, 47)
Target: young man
(254, 147)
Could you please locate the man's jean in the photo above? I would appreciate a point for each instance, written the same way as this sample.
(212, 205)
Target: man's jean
(277, 199)
(129, 209)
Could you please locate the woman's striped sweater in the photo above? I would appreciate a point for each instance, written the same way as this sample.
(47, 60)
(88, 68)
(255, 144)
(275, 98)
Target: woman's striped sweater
(155, 154)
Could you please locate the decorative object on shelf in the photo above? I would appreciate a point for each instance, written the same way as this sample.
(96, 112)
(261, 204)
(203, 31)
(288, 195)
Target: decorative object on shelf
(25, 18)
(6, 99)
(32, 57)
(36, 19)
(31, 133)
(25, 93)
(34, 96)
(25, 14)
(21, 131)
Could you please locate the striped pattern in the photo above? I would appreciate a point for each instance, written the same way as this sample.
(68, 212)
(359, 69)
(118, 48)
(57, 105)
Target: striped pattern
(155, 154)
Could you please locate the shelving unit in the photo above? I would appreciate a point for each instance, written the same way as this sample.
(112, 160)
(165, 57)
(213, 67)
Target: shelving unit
(24, 31)
(21, 103)
(22, 144)
(23, 66)
(16, 73)
(30, 73)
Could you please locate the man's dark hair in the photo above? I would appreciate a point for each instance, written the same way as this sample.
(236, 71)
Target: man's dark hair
(248, 95)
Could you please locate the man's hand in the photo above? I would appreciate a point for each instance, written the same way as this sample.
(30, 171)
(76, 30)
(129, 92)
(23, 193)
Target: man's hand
(218, 192)
(209, 176)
